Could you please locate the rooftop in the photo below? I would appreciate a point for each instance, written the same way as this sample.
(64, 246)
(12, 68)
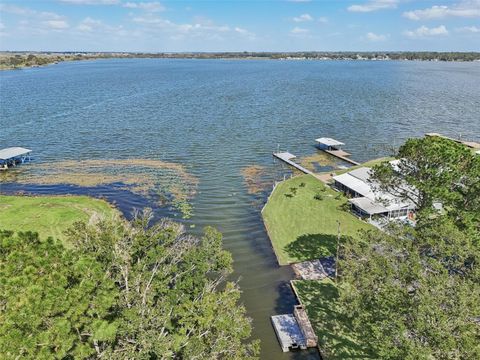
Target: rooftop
(373, 201)
(369, 206)
(12, 152)
(329, 141)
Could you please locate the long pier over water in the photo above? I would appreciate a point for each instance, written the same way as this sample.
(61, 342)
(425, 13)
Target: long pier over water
(287, 157)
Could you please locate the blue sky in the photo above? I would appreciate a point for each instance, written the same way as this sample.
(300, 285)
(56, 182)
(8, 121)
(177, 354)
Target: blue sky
(228, 25)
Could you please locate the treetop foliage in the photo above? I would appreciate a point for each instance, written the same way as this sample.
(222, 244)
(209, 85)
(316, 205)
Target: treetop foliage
(413, 292)
(125, 290)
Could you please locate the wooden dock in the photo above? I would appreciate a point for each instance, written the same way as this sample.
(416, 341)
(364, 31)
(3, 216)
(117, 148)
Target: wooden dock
(342, 155)
(287, 157)
(300, 314)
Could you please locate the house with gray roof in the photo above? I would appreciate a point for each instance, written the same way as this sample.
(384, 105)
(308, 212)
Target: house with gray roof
(367, 200)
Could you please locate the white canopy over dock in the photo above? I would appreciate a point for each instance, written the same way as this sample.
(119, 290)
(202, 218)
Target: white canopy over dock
(13, 156)
(329, 142)
(13, 152)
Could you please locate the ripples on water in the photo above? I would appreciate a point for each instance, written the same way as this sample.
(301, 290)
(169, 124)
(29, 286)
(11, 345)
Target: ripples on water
(217, 117)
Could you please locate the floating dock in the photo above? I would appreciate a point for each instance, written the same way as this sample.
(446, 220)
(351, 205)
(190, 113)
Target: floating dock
(288, 332)
(294, 331)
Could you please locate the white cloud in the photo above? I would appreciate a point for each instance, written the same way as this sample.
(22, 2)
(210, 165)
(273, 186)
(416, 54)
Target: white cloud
(56, 24)
(201, 27)
(303, 18)
(465, 9)
(146, 6)
(375, 37)
(92, 2)
(88, 24)
(323, 19)
(244, 32)
(16, 10)
(468, 29)
(374, 5)
(424, 31)
(27, 12)
(96, 27)
(299, 31)
(33, 21)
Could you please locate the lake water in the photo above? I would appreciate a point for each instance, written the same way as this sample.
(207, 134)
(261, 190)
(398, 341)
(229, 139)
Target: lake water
(217, 117)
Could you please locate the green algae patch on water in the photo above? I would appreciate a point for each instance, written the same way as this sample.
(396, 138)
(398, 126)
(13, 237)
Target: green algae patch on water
(50, 215)
(319, 159)
(255, 178)
(166, 182)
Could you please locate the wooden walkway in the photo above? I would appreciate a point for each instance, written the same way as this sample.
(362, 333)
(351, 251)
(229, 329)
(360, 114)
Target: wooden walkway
(342, 155)
(307, 330)
(287, 157)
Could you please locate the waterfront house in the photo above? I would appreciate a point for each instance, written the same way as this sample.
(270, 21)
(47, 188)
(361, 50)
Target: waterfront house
(367, 200)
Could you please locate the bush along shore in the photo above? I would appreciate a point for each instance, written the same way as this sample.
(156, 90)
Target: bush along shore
(18, 60)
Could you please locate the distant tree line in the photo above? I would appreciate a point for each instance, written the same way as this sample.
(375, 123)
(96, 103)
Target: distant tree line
(9, 60)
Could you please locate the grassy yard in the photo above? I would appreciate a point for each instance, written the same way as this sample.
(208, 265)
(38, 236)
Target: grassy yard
(302, 227)
(48, 215)
(335, 336)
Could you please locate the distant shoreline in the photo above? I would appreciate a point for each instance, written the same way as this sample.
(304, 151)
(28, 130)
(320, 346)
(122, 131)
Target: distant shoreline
(25, 59)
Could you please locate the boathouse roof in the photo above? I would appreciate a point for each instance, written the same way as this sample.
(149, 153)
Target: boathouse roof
(329, 141)
(13, 152)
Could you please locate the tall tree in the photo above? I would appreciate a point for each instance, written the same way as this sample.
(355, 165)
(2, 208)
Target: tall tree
(435, 170)
(54, 302)
(170, 300)
(122, 290)
(412, 293)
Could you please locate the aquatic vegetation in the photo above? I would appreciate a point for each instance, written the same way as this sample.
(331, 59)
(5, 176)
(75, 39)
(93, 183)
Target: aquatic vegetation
(255, 177)
(319, 159)
(165, 182)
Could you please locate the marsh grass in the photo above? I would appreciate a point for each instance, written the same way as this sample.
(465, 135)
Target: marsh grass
(319, 158)
(167, 182)
(255, 178)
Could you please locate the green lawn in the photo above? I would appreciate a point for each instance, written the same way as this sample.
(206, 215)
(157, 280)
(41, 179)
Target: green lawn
(48, 215)
(335, 336)
(304, 228)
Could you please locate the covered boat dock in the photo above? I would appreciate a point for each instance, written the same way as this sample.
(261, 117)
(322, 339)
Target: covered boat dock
(334, 147)
(13, 156)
